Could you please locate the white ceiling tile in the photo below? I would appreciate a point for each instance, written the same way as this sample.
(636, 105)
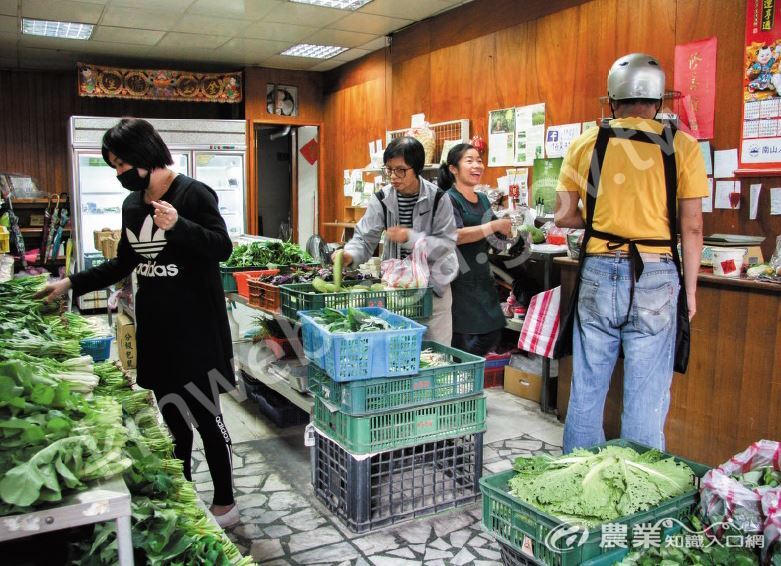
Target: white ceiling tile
(9, 24)
(374, 44)
(254, 48)
(34, 58)
(370, 23)
(351, 55)
(126, 35)
(210, 24)
(8, 7)
(245, 9)
(327, 65)
(9, 61)
(189, 54)
(146, 19)
(339, 37)
(284, 62)
(407, 9)
(63, 10)
(143, 5)
(304, 14)
(277, 32)
(176, 39)
(7, 41)
(39, 42)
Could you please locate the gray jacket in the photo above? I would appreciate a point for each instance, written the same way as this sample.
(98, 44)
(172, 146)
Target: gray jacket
(439, 232)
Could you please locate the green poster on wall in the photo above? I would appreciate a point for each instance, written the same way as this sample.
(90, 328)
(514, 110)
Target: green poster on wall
(544, 181)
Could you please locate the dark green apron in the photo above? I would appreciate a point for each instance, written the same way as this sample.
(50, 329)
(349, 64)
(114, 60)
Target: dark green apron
(476, 307)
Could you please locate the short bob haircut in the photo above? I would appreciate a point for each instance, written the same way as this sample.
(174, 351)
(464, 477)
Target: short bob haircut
(137, 143)
(408, 148)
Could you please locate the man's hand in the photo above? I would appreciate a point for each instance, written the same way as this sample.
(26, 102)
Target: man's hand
(53, 290)
(398, 234)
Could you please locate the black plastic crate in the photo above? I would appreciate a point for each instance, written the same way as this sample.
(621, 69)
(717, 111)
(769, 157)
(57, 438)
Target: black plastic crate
(277, 408)
(396, 485)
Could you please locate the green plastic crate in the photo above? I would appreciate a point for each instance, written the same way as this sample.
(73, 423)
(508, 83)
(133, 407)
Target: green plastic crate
(399, 429)
(410, 303)
(514, 522)
(461, 378)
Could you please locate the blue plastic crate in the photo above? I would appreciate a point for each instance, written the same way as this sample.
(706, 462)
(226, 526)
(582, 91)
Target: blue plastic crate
(98, 348)
(364, 355)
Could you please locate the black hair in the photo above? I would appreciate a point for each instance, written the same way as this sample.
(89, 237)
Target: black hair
(137, 143)
(446, 179)
(408, 148)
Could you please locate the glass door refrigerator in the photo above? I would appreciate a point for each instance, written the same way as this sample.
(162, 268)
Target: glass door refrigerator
(212, 151)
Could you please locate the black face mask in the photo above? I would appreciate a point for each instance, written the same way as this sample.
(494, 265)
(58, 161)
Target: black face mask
(132, 181)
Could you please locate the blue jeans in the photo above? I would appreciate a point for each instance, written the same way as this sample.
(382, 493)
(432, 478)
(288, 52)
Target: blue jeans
(647, 333)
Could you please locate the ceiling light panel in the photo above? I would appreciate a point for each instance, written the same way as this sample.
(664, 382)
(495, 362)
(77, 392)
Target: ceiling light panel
(338, 4)
(314, 51)
(65, 30)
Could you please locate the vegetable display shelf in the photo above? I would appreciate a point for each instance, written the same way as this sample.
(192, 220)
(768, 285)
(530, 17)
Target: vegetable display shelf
(106, 501)
(388, 487)
(411, 303)
(525, 529)
(462, 377)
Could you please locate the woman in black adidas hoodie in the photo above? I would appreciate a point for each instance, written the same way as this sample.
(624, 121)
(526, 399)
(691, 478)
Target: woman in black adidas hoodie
(174, 238)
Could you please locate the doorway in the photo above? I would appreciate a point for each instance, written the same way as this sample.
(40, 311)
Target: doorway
(275, 180)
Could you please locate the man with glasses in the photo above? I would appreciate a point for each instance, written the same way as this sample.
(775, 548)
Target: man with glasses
(409, 209)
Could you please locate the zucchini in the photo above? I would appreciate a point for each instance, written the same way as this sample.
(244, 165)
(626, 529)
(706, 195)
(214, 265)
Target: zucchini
(338, 268)
(320, 285)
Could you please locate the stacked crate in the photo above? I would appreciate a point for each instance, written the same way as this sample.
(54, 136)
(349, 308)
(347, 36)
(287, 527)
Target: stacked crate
(392, 441)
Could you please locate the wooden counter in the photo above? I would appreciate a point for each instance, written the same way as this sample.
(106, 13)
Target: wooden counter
(731, 394)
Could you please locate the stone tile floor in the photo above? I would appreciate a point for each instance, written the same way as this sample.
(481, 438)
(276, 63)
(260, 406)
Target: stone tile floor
(284, 523)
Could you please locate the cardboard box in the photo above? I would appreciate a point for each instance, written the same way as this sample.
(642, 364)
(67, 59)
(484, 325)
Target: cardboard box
(126, 341)
(522, 384)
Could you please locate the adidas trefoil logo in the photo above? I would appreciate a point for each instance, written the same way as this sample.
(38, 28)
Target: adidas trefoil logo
(146, 244)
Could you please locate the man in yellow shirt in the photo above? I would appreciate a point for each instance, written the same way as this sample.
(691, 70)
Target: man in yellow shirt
(627, 175)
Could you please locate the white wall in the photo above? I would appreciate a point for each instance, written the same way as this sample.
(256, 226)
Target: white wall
(307, 187)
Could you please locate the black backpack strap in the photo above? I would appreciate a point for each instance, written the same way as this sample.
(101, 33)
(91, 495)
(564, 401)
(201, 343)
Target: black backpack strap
(437, 198)
(381, 197)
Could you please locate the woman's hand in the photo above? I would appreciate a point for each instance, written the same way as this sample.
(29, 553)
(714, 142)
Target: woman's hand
(165, 215)
(398, 234)
(502, 226)
(347, 259)
(53, 290)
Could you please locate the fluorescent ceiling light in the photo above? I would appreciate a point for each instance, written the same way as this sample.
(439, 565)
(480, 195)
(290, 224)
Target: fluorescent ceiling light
(338, 4)
(314, 51)
(66, 30)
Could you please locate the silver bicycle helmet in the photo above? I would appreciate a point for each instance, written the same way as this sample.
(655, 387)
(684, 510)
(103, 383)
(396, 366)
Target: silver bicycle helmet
(636, 75)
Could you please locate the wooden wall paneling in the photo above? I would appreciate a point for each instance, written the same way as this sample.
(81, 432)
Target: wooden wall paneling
(411, 90)
(484, 86)
(450, 84)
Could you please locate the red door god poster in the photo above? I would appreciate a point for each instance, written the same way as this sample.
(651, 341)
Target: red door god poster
(760, 142)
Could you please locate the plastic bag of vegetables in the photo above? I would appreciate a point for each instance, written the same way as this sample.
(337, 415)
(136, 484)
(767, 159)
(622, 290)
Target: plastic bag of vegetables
(409, 273)
(733, 492)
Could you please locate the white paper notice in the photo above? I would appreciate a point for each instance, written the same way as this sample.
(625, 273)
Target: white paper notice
(724, 163)
(705, 150)
(501, 137)
(418, 120)
(726, 196)
(707, 202)
(559, 138)
(754, 201)
(348, 185)
(775, 202)
(589, 125)
(378, 144)
(529, 134)
(751, 129)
